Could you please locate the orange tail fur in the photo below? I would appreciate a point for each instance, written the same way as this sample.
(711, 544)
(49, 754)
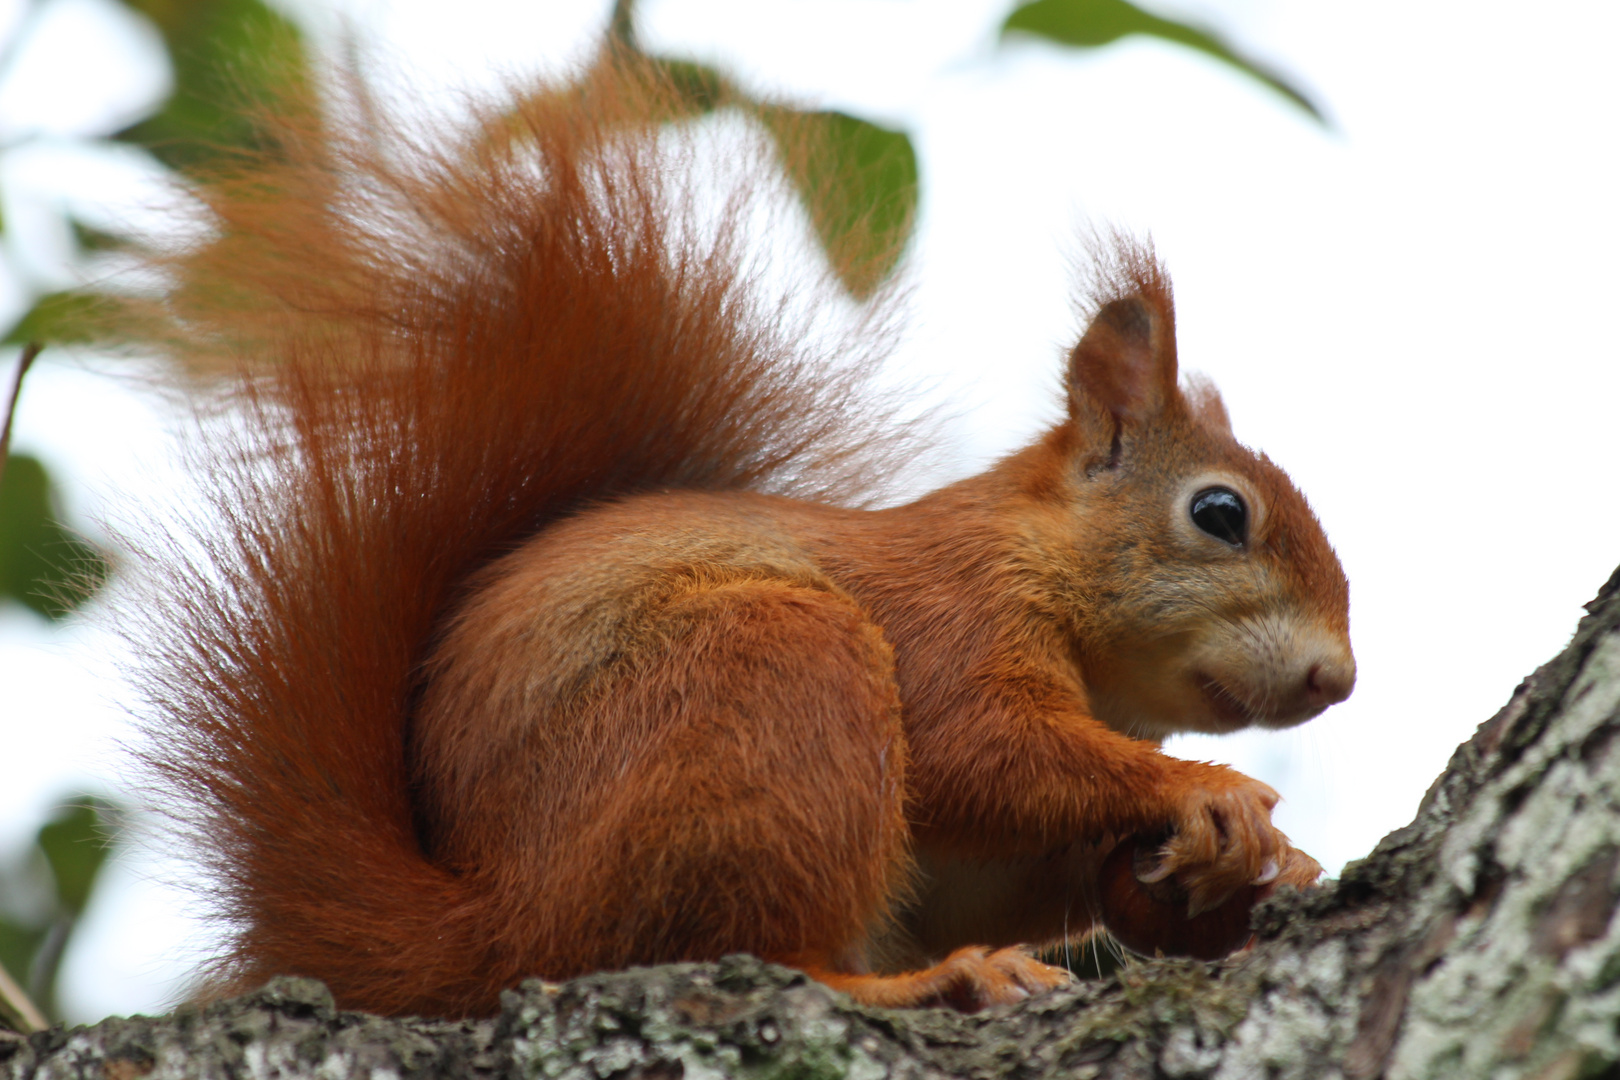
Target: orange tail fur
(438, 347)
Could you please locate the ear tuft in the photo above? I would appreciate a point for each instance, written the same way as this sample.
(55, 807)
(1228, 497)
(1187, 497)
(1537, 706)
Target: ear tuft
(1125, 364)
(1205, 404)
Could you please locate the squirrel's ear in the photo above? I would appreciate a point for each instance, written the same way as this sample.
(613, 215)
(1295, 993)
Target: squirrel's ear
(1124, 369)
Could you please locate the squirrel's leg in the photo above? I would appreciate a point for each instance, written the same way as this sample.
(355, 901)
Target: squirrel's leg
(746, 789)
(764, 812)
(1068, 776)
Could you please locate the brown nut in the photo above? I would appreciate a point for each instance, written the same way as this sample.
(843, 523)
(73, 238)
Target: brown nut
(1150, 917)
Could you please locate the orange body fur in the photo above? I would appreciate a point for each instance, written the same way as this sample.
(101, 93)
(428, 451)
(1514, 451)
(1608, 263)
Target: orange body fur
(533, 648)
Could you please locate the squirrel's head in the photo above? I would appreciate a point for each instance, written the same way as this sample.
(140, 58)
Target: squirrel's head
(1198, 589)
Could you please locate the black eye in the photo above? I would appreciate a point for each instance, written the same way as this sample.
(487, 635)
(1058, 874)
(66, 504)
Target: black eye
(1221, 513)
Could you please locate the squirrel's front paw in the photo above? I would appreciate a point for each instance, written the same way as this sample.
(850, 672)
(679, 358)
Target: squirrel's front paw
(1145, 909)
(1222, 839)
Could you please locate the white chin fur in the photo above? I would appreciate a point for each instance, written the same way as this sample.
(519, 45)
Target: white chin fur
(1272, 670)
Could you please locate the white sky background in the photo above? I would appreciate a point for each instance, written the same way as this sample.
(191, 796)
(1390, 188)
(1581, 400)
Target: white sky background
(1410, 314)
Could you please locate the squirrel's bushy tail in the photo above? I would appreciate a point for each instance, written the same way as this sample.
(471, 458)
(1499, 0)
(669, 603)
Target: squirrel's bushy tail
(433, 346)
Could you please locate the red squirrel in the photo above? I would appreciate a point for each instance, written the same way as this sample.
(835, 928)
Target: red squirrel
(523, 642)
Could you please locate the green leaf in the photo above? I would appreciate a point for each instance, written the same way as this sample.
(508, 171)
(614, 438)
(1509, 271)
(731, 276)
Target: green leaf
(859, 183)
(857, 180)
(76, 843)
(230, 57)
(42, 564)
(1093, 23)
(62, 318)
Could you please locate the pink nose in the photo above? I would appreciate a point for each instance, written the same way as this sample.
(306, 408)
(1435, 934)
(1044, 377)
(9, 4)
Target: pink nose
(1329, 682)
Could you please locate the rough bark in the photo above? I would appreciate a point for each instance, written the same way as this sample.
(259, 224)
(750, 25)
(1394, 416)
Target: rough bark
(1478, 941)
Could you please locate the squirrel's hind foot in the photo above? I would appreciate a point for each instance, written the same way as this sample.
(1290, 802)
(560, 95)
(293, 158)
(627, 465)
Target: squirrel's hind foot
(968, 980)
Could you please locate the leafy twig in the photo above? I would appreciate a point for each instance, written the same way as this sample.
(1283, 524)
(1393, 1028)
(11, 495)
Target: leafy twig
(29, 351)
